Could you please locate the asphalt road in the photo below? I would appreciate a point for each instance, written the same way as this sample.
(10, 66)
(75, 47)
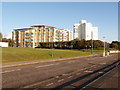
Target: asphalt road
(40, 75)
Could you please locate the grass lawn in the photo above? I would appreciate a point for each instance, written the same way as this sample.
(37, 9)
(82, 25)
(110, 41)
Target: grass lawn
(29, 54)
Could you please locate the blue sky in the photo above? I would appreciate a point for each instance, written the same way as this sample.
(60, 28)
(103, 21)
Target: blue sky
(104, 15)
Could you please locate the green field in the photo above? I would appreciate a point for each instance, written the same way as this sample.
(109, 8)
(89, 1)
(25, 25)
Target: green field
(28, 54)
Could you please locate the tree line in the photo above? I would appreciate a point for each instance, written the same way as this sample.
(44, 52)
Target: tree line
(115, 45)
(74, 44)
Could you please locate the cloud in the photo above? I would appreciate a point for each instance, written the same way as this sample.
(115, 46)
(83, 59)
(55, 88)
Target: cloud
(8, 36)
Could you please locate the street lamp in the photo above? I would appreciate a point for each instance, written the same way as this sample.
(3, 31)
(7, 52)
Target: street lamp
(52, 46)
(104, 46)
(71, 46)
(91, 42)
(86, 48)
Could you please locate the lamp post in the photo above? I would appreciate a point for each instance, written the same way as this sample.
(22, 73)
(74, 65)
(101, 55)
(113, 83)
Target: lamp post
(52, 46)
(91, 42)
(52, 49)
(86, 47)
(104, 46)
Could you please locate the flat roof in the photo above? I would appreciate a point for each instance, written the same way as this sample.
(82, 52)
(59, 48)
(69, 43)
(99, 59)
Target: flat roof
(42, 25)
(22, 28)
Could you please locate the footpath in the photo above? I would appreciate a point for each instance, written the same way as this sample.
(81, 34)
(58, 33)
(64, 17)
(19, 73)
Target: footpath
(14, 64)
(108, 81)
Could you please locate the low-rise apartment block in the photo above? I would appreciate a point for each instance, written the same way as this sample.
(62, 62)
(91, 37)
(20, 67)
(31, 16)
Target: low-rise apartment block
(31, 37)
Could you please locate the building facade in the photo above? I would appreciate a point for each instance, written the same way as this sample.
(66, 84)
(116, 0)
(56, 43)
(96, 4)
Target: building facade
(85, 31)
(67, 35)
(31, 37)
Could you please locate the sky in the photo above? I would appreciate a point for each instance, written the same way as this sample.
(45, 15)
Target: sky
(104, 15)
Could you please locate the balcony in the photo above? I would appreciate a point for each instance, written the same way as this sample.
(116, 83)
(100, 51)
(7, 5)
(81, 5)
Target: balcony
(29, 34)
(28, 40)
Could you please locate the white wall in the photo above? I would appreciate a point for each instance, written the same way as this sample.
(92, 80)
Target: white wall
(83, 21)
(76, 30)
(95, 33)
(67, 34)
(71, 35)
(88, 31)
(3, 44)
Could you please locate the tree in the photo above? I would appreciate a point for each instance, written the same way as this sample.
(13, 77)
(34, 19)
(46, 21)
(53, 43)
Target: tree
(1, 36)
(115, 45)
(10, 41)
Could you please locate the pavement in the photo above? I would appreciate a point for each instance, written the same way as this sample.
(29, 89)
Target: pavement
(40, 74)
(109, 80)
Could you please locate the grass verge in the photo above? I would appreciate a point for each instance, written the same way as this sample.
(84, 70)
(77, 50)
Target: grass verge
(29, 54)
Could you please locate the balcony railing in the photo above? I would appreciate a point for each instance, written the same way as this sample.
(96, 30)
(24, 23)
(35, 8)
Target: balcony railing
(28, 40)
(29, 34)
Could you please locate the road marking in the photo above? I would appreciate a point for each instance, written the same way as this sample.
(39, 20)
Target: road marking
(83, 69)
(102, 63)
(47, 65)
(69, 76)
(57, 63)
(60, 80)
(57, 77)
(44, 66)
(71, 61)
(88, 59)
(100, 72)
(77, 73)
(49, 84)
(88, 71)
(92, 66)
(95, 58)
(10, 71)
(18, 69)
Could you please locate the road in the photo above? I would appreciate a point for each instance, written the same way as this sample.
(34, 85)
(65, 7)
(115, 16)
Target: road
(40, 75)
(109, 80)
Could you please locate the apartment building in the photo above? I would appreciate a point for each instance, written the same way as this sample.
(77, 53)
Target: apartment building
(85, 30)
(31, 37)
(76, 30)
(67, 35)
